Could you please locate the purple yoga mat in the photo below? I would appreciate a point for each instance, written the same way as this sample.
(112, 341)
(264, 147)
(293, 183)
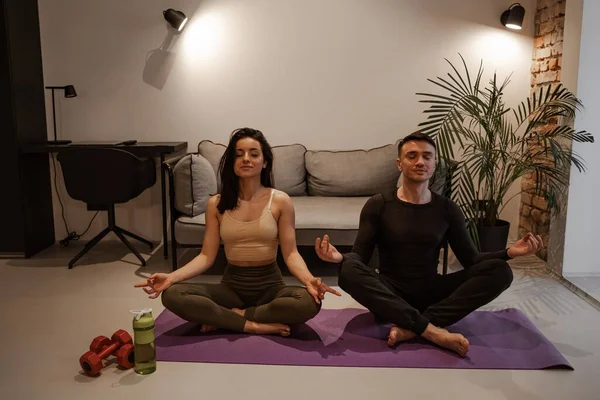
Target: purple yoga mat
(353, 338)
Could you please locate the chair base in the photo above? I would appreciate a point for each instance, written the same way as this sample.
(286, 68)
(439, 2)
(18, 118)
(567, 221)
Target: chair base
(120, 232)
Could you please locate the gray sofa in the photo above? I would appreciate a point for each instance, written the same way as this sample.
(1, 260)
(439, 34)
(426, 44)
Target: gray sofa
(328, 189)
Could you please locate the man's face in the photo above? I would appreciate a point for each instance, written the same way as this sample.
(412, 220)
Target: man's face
(417, 161)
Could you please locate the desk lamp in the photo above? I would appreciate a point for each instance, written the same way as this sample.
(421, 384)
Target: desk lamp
(69, 93)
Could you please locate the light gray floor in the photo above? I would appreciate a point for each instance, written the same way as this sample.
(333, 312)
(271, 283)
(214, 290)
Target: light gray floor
(50, 314)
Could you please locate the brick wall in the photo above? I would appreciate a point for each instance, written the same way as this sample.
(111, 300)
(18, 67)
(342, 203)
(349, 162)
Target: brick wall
(545, 70)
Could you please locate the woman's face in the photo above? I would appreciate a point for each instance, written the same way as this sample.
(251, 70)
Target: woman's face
(249, 160)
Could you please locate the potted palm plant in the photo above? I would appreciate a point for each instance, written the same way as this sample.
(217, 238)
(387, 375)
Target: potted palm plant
(497, 145)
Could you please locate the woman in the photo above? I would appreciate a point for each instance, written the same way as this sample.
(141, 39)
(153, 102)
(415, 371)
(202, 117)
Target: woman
(250, 218)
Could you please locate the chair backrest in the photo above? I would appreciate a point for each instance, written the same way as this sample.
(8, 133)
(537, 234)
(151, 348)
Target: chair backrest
(105, 175)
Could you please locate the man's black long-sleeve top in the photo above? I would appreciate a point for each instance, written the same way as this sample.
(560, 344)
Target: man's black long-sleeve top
(409, 236)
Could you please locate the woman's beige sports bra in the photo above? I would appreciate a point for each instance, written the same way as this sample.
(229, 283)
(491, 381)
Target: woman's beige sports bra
(252, 240)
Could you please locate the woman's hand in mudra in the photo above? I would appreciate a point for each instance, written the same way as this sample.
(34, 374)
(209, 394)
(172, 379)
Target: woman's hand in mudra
(156, 284)
(317, 289)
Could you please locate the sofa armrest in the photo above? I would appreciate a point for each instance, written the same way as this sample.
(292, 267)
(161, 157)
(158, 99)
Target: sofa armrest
(171, 162)
(168, 166)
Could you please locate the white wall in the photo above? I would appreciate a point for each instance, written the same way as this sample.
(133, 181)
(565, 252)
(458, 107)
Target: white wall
(571, 44)
(583, 214)
(331, 74)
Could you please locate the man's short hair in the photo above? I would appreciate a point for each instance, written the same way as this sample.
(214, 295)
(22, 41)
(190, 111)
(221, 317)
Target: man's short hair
(418, 137)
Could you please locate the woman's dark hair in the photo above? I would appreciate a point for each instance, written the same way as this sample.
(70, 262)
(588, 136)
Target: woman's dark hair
(230, 187)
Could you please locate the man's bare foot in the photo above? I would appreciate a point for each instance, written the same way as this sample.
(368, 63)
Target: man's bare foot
(451, 341)
(455, 342)
(266, 329)
(398, 335)
(207, 328)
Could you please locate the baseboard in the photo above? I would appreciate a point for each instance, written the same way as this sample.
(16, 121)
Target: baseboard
(582, 275)
(12, 255)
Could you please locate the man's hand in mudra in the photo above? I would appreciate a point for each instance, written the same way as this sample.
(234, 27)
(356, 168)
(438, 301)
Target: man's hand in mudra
(528, 244)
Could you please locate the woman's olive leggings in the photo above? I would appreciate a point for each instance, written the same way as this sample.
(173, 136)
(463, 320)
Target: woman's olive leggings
(259, 290)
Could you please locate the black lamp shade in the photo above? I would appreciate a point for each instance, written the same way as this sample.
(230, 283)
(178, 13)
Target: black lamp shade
(70, 91)
(513, 17)
(175, 18)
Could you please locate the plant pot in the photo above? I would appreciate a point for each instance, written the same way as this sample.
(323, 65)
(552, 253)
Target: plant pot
(493, 238)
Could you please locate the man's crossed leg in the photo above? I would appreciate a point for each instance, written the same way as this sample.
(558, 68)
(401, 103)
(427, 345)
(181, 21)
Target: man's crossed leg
(426, 308)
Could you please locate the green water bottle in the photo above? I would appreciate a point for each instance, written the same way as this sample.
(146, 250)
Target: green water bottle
(143, 340)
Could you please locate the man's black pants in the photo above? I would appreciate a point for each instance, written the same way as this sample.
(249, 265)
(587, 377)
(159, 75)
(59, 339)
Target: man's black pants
(441, 300)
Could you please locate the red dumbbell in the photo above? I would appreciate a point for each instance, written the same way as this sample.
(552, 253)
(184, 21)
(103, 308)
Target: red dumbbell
(102, 347)
(125, 356)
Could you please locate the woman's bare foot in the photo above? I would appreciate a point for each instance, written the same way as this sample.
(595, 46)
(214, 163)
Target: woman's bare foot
(451, 341)
(398, 335)
(207, 328)
(266, 329)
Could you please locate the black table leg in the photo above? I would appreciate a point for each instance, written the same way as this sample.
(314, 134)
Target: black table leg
(164, 206)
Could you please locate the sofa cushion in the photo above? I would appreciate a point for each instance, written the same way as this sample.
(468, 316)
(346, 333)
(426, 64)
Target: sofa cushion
(213, 152)
(315, 216)
(289, 174)
(336, 216)
(190, 230)
(316, 212)
(353, 172)
(196, 182)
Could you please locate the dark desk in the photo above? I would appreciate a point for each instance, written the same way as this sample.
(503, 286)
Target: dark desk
(140, 149)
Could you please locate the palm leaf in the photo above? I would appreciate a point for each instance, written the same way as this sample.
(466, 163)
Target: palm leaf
(496, 141)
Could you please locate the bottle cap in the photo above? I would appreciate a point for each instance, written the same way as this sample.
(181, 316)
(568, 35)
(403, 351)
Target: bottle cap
(138, 313)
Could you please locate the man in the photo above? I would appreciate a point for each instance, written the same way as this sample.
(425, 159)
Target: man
(408, 226)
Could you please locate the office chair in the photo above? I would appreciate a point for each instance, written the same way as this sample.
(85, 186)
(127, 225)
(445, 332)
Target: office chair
(104, 177)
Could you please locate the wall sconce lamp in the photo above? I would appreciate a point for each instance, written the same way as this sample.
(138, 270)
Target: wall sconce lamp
(69, 93)
(513, 17)
(175, 18)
